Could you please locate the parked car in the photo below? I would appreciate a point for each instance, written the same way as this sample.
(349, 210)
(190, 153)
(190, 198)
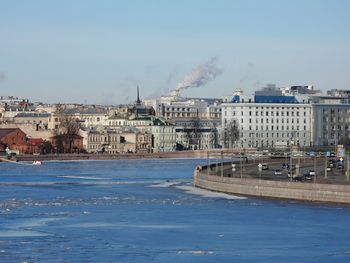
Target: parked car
(331, 163)
(329, 168)
(285, 166)
(265, 166)
(298, 178)
(278, 172)
(309, 175)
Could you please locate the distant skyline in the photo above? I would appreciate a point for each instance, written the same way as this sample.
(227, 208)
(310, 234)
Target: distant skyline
(99, 51)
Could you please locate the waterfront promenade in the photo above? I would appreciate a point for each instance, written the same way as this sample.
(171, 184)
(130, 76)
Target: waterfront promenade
(242, 176)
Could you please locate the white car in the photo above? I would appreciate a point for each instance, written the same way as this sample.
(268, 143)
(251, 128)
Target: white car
(278, 172)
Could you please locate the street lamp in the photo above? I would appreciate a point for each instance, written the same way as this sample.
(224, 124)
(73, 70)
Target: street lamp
(290, 159)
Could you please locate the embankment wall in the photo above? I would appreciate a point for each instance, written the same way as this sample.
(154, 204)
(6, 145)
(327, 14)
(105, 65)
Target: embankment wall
(273, 189)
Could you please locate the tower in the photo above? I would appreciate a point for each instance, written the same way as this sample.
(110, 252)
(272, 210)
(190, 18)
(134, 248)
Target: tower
(138, 101)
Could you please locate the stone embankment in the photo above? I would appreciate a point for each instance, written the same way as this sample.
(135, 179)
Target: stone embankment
(315, 192)
(105, 156)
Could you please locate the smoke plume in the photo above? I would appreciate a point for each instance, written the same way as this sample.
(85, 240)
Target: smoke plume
(2, 76)
(201, 75)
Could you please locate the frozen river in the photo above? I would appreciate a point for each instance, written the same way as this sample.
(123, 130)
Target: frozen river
(147, 211)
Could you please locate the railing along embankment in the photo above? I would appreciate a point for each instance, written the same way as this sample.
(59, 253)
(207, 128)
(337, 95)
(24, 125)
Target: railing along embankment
(316, 192)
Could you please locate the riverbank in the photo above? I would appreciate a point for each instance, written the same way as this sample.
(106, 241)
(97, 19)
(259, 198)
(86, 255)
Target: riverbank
(105, 156)
(222, 180)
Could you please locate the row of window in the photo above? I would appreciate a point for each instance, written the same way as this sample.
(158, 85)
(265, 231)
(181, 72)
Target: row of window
(103, 138)
(272, 120)
(278, 135)
(267, 127)
(267, 113)
(269, 143)
(267, 108)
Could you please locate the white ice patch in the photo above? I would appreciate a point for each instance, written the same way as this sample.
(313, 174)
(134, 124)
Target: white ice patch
(32, 223)
(159, 226)
(92, 225)
(164, 184)
(206, 193)
(196, 252)
(83, 177)
(125, 225)
(21, 233)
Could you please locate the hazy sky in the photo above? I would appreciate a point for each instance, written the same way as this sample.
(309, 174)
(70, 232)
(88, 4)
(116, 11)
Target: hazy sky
(98, 51)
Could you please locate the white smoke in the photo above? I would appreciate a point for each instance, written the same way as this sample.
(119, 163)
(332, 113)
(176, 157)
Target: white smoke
(201, 75)
(2, 76)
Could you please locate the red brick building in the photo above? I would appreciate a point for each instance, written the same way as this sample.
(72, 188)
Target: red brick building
(14, 139)
(34, 145)
(60, 143)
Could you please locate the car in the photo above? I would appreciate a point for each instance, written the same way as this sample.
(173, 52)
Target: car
(329, 169)
(285, 166)
(278, 172)
(331, 163)
(265, 166)
(309, 175)
(298, 178)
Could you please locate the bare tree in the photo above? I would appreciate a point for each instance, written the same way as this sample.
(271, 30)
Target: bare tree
(69, 127)
(230, 134)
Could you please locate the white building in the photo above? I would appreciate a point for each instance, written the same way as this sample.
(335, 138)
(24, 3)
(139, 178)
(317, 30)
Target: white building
(269, 119)
(164, 137)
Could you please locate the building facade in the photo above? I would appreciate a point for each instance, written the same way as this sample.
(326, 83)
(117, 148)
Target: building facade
(268, 120)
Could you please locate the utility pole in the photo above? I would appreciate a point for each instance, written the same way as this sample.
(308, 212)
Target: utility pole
(315, 167)
(222, 163)
(347, 167)
(325, 166)
(240, 165)
(208, 163)
(291, 163)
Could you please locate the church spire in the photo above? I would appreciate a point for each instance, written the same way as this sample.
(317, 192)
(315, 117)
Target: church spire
(138, 101)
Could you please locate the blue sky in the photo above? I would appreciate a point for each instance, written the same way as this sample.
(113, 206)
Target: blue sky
(98, 51)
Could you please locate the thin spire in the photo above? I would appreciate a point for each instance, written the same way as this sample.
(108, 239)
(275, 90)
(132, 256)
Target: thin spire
(138, 101)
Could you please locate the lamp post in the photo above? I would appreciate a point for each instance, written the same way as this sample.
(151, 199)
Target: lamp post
(325, 166)
(290, 160)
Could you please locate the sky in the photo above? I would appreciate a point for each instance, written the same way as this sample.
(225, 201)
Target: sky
(98, 51)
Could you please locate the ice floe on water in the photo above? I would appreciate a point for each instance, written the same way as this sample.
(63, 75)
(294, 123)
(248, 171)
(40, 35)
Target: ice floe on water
(24, 228)
(206, 193)
(33, 222)
(196, 252)
(22, 233)
(164, 184)
(82, 177)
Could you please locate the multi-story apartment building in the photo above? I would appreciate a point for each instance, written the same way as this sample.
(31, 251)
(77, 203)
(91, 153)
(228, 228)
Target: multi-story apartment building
(197, 134)
(331, 120)
(269, 119)
(163, 137)
(87, 116)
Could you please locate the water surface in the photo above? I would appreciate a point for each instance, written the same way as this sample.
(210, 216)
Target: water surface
(150, 213)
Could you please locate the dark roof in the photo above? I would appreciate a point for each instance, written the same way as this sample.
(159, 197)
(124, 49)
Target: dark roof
(75, 136)
(32, 115)
(35, 141)
(85, 111)
(275, 99)
(158, 121)
(6, 131)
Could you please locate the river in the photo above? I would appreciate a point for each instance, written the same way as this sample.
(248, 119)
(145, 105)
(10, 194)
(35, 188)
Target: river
(147, 211)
